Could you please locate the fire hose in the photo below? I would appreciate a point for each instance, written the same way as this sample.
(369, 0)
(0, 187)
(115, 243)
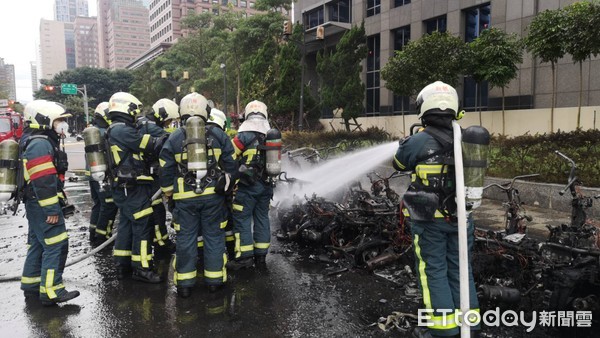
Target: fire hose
(156, 195)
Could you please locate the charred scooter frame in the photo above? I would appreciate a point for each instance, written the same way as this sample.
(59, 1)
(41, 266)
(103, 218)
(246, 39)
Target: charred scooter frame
(514, 214)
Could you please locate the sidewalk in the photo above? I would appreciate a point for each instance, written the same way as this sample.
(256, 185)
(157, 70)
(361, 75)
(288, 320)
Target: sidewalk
(490, 215)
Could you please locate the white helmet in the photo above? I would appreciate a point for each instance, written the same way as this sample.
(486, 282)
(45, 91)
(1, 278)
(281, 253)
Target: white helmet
(41, 114)
(437, 98)
(102, 111)
(217, 117)
(124, 103)
(193, 104)
(255, 108)
(165, 109)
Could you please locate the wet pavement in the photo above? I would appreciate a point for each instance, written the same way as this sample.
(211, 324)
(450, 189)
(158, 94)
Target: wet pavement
(297, 296)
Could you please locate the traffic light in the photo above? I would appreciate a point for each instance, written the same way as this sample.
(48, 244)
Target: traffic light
(320, 33)
(287, 28)
(49, 88)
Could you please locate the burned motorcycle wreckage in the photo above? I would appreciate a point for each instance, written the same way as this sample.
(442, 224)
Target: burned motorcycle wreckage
(512, 270)
(365, 228)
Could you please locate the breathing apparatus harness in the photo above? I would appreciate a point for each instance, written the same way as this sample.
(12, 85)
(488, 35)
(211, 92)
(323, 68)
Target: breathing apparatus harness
(213, 171)
(442, 186)
(60, 162)
(126, 176)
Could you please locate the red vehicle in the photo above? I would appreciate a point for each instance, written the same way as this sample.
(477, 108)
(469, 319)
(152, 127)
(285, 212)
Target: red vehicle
(11, 126)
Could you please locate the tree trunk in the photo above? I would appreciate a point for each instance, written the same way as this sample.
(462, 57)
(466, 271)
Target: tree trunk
(476, 102)
(347, 124)
(503, 118)
(580, 93)
(553, 98)
(239, 89)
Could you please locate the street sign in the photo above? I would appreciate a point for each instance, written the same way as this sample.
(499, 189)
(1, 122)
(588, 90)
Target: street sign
(68, 88)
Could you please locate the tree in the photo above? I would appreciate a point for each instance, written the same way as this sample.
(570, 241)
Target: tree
(496, 56)
(344, 89)
(434, 57)
(582, 28)
(100, 84)
(546, 40)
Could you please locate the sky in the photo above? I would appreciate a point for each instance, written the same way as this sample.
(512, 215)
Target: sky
(19, 36)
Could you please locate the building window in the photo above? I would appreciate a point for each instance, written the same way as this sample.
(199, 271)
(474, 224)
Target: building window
(339, 11)
(373, 66)
(436, 24)
(398, 3)
(475, 95)
(315, 18)
(373, 7)
(476, 20)
(401, 38)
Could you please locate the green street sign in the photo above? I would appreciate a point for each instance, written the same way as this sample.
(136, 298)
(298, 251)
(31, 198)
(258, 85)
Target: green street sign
(68, 88)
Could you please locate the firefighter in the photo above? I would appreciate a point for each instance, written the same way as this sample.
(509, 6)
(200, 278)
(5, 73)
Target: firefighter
(131, 187)
(217, 117)
(104, 209)
(158, 123)
(251, 203)
(431, 208)
(197, 170)
(44, 166)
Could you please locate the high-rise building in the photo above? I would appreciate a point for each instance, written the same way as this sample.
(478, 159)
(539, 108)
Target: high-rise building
(86, 41)
(390, 25)
(123, 32)
(53, 56)
(34, 78)
(166, 15)
(68, 10)
(7, 80)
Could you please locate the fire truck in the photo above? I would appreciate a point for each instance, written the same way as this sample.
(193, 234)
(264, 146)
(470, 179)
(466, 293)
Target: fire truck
(11, 123)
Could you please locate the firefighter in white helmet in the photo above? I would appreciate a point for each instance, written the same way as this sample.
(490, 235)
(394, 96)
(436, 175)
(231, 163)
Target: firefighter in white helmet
(43, 166)
(159, 122)
(197, 171)
(132, 188)
(104, 209)
(251, 203)
(431, 208)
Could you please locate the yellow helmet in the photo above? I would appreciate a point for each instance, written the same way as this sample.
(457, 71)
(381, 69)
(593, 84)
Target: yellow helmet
(165, 109)
(41, 114)
(437, 98)
(193, 104)
(255, 108)
(217, 117)
(124, 103)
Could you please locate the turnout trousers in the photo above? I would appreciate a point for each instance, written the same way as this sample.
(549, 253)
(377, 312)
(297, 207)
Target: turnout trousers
(437, 265)
(204, 215)
(132, 246)
(48, 245)
(104, 211)
(251, 206)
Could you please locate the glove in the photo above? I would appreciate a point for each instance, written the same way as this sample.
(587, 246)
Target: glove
(224, 185)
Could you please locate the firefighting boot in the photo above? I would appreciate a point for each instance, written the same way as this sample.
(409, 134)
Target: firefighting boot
(184, 291)
(146, 276)
(240, 263)
(62, 298)
(260, 261)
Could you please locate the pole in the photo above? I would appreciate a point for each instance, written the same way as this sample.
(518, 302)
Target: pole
(463, 248)
(301, 113)
(85, 106)
(228, 123)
